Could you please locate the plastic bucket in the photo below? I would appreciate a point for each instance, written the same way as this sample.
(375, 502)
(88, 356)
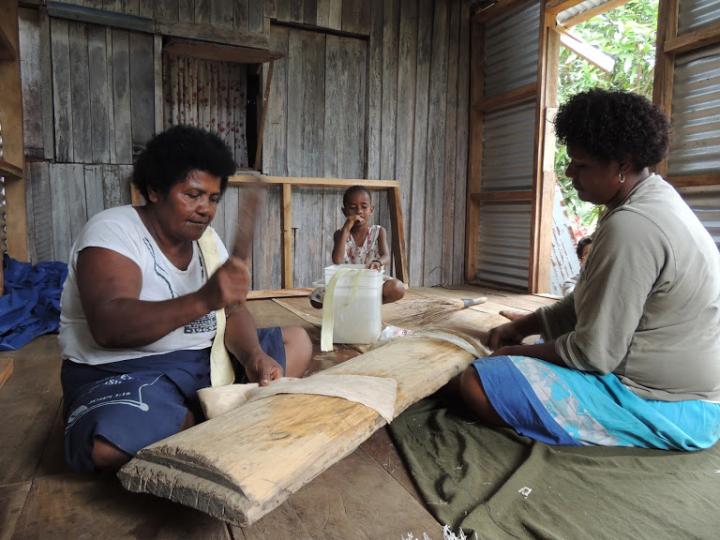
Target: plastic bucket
(356, 303)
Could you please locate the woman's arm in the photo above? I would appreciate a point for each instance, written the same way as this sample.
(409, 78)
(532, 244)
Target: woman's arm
(110, 284)
(242, 342)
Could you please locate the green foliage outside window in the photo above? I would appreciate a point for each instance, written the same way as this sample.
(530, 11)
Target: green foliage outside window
(626, 33)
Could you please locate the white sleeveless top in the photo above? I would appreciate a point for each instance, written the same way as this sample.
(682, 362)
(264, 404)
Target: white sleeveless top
(367, 251)
(121, 230)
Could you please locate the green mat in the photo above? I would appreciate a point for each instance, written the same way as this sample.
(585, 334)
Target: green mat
(497, 484)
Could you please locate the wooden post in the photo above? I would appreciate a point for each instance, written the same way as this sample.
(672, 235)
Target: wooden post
(398, 233)
(263, 116)
(287, 236)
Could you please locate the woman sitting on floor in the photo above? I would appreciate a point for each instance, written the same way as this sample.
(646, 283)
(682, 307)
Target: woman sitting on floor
(632, 357)
(139, 310)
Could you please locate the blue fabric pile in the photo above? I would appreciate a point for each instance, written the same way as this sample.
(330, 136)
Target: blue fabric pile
(30, 305)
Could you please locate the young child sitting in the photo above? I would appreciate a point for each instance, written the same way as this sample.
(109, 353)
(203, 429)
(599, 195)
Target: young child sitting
(358, 242)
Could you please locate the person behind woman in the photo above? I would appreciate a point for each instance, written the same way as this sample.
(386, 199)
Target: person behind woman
(582, 250)
(632, 357)
(138, 308)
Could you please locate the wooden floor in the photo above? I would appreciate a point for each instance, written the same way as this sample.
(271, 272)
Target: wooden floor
(367, 495)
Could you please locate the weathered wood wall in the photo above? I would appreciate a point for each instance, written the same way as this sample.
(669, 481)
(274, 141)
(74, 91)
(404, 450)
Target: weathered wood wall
(366, 89)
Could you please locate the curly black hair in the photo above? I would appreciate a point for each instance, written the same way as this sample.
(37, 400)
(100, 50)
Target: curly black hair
(614, 125)
(581, 246)
(171, 155)
(352, 190)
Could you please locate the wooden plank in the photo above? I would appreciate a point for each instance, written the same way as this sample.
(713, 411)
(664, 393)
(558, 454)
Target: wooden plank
(263, 116)
(60, 213)
(398, 234)
(93, 189)
(585, 50)
(222, 14)
(40, 210)
(511, 97)
(80, 93)
(90, 504)
(115, 185)
(31, 76)
(391, 28)
(12, 499)
(166, 10)
(462, 147)
(375, 102)
(594, 12)
(309, 11)
(62, 101)
(311, 437)
(287, 237)
(121, 110)
(78, 13)
(29, 401)
(158, 79)
(436, 147)
(448, 190)
(329, 13)
(255, 15)
(416, 214)
(306, 117)
(407, 74)
(696, 180)
(477, 54)
(202, 12)
(186, 11)
(314, 181)
(73, 181)
(664, 64)
(208, 32)
(337, 505)
(691, 41)
(219, 52)
(352, 16)
(101, 106)
(142, 91)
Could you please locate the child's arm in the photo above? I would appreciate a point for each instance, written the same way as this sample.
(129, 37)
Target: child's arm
(383, 250)
(339, 239)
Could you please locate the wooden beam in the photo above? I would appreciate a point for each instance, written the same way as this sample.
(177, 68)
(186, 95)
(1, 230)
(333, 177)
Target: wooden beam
(502, 196)
(583, 49)
(695, 180)
(264, 294)
(61, 10)
(398, 234)
(693, 40)
(11, 124)
(208, 32)
(219, 51)
(593, 12)
(263, 116)
(665, 64)
(475, 146)
(554, 7)
(240, 179)
(287, 237)
(512, 97)
(10, 171)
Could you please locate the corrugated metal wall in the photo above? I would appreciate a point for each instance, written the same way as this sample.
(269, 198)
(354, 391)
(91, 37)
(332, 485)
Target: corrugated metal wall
(582, 7)
(503, 245)
(508, 148)
(694, 14)
(695, 143)
(511, 50)
(504, 231)
(706, 205)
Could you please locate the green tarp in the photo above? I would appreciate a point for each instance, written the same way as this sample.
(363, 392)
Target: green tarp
(497, 484)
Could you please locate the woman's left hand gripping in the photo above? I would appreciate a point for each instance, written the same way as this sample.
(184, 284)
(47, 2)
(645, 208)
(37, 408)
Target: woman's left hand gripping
(262, 368)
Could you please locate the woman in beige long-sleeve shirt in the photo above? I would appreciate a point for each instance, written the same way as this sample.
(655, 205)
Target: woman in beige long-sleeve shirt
(632, 357)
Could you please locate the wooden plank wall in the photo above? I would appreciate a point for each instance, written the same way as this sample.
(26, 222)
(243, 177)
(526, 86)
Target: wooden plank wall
(391, 102)
(367, 89)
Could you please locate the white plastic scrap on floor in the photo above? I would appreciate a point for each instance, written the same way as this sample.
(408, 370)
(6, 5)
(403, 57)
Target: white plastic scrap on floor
(448, 534)
(525, 491)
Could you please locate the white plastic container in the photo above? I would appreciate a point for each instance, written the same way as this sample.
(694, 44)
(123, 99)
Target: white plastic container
(356, 304)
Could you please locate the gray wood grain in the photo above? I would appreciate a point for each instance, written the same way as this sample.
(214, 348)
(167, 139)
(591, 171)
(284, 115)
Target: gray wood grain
(60, 212)
(407, 72)
(40, 213)
(93, 189)
(80, 93)
(416, 233)
(461, 154)
(166, 10)
(436, 148)
(241, 14)
(120, 67)
(142, 90)
(374, 85)
(101, 107)
(202, 11)
(222, 13)
(31, 80)
(329, 13)
(62, 101)
(186, 11)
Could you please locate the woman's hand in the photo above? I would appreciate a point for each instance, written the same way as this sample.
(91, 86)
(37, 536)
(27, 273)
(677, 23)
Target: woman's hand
(228, 285)
(504, 335)
(262, 369)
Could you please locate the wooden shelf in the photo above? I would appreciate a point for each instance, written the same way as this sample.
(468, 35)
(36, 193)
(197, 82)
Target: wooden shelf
(10, 171)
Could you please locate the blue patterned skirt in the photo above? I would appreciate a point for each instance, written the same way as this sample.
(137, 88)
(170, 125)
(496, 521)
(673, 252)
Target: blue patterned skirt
(559, 405)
